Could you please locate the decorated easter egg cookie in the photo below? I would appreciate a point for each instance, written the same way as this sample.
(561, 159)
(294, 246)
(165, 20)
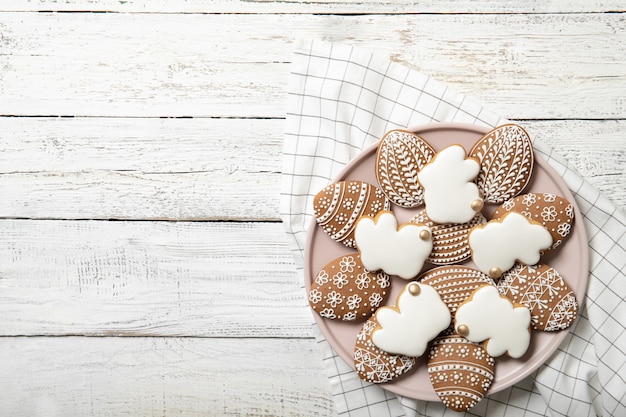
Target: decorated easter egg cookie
(345, 290)
(506, 162)
(375, 365)
(399, 157)
(460, 371)
(455, 283)
(450, 244)
(338, 206)
(541, 288)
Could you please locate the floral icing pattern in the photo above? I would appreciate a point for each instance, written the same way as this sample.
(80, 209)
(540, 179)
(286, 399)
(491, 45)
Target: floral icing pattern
(345, 290)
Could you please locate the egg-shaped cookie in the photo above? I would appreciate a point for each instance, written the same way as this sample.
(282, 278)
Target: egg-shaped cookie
(338, 206)
(460, 371)
(506, 163)
(345, 290)
(375, 365)
(554, 212)
(399, 158)
(455, 283)
(450, 244)
(551, 301)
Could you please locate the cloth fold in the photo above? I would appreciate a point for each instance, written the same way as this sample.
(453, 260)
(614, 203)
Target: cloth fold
(342, 99)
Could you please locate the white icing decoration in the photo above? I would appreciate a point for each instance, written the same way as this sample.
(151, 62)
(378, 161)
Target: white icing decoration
(448, 187)
(498, 244)
(397, 251)
(495, 319)
(417, 319)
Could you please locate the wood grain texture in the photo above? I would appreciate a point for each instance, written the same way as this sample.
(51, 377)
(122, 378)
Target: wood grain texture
(313, 6)
(98, 377)
(102, 168)
(520, 66)
(209, 318)
(202, 169)
(149, 278)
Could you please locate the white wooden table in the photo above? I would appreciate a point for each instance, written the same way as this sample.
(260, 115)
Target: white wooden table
(143, 266)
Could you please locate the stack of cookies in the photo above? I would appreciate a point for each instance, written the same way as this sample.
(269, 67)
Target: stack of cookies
(460, 318)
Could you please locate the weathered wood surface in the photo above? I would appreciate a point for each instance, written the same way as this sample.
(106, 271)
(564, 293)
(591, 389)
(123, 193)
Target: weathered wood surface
(87, 376)
(117, 64)
(190, 304)
(314, 6)
(203, 169)
(149, 278)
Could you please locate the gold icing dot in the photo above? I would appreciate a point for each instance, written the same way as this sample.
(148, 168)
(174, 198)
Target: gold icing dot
(425, 234)
(477, 204)
(495, 272)
(462, 329)
(414, 289)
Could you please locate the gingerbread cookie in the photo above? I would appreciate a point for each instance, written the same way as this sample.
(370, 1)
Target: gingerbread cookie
(506, 163)
(399, 157)
(338, 206)
(490, 317)
(450, 244)
(418, 316)
(554, 212)
(551, 302)
(497, 244)
(396, 250)
(450, 194)
(460, 371)
(375, 365)
(345, 290)
(455, 283)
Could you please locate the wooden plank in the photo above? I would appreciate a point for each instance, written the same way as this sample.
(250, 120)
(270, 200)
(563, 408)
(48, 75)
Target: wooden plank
(595, 149)
(99, 168)
(97, 377)
(520, 66)
(313, 6)
(149, 278)
(199, 169)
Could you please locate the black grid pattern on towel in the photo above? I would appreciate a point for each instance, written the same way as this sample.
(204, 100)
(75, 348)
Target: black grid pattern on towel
(342, 99)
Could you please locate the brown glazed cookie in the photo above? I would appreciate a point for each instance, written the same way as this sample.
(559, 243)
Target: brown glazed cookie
(460, 371)
(399, 158)
(506, 163)
(541, 288)
(345, 290)
(554, 212)
(375, 365)
(455, 283)
(338, 206)
(450, 243)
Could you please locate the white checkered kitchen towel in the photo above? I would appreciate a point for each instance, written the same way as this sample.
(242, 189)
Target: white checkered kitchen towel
(342, 99)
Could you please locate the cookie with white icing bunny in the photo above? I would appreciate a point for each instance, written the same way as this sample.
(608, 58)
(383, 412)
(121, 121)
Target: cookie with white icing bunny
(450, 194)
(554, 212)
(395, 249)
(417, 317)
(499, 243)
(489, 317)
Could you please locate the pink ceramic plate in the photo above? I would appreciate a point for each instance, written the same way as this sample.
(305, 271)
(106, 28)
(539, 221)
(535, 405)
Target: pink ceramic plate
(570, 259)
